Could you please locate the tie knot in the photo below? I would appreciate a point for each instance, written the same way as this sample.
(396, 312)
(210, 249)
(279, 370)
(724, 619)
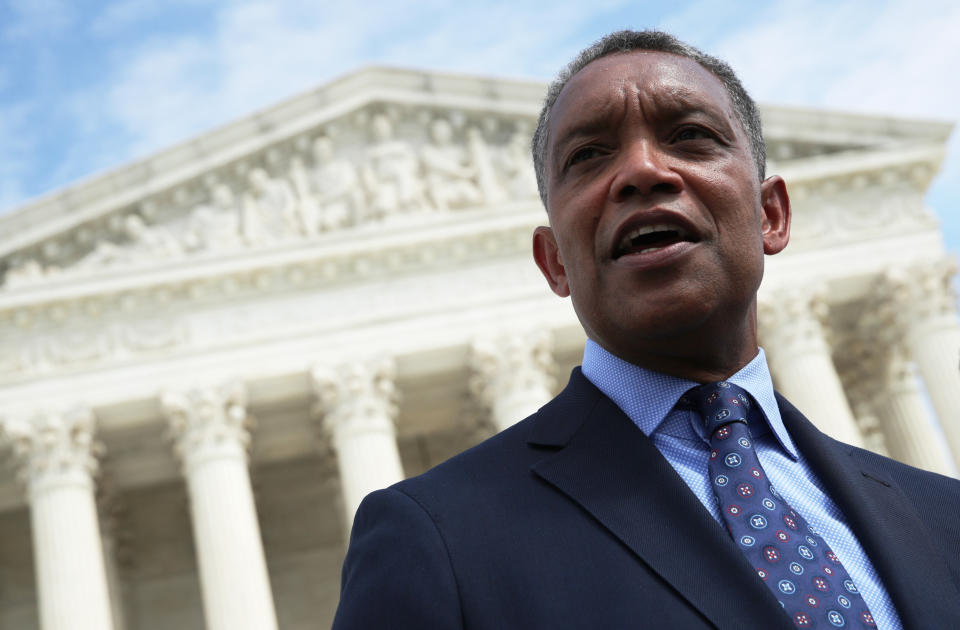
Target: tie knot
(719, 403)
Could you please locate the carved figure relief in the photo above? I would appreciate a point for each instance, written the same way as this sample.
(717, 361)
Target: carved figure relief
(322, 188)
(335, 185)
(22, 272)
(215, 226)
(450, 181)
(490, 188)
(307, 209)
(139, 241)
(522, 180)
(270, 210)
(391, 174)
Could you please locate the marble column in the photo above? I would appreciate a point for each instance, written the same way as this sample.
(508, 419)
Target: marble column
(798, 353)
(356, 404)
(511, 374)
(110, 509)
(926, 313)
(911, 434)
(57, 455)
(211, 428)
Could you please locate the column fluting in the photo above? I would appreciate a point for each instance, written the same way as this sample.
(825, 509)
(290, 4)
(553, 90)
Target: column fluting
(924, 305)
(211, 431)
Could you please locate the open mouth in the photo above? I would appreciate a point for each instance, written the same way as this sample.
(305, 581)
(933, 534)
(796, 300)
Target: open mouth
(650, 238)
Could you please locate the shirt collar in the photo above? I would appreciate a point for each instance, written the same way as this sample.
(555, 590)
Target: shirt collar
(647, 397)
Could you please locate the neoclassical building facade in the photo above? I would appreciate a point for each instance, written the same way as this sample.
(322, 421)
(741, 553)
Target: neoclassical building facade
(208, 357)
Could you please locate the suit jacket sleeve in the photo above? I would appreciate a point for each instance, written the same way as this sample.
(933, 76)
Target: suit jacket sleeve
(397, 573)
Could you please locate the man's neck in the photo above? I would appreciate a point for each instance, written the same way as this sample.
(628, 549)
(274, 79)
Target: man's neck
(698, 362)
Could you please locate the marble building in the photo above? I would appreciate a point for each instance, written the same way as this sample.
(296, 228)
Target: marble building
(209, 356)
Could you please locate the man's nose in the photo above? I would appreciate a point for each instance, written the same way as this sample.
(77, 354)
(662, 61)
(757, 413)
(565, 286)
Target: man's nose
(644, 169)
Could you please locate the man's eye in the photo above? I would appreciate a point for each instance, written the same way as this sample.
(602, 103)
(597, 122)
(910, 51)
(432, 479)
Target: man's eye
(692, 133)
(582, 155)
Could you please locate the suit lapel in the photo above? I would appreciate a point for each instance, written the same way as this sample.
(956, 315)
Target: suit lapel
(614, 472)
(886, 524)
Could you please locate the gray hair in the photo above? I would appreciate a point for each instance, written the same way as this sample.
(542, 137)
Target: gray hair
(627, 41)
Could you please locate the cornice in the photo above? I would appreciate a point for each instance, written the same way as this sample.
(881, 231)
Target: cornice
(911, 165)
(338, 259)
(849, 128)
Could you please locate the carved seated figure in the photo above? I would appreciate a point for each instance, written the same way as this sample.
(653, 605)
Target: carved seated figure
(308, 211)
(391, 173)
(335, 184)
(215, 226)
(491, 189)
(269, 212)
(518, 169)
(450, 181)
(23, 272)
(140, 242)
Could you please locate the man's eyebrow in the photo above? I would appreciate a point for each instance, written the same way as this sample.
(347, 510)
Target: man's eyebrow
(583, 127)
(681, 102)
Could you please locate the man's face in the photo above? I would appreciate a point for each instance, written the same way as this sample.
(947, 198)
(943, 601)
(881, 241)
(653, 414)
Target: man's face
(659, 223)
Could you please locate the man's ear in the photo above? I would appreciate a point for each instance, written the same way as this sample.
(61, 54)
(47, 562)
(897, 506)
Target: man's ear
(775, 204)
(547, 255)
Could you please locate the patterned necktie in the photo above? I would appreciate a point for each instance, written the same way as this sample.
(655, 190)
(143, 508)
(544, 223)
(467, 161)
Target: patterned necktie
(790, 556)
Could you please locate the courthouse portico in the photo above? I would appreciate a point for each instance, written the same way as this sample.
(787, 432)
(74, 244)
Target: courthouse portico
(208, 357)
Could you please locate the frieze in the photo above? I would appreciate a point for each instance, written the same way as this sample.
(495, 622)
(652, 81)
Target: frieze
(856, 206)
(313, 268)
(176, 325)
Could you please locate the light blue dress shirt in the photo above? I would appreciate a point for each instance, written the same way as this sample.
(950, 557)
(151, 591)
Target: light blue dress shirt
(649, 400)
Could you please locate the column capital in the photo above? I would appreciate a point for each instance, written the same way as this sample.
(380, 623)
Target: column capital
(355, 397)
(54, 448)
(510, 361)
(794, 318)
(919, 292)
(861, 365)
(208, 423)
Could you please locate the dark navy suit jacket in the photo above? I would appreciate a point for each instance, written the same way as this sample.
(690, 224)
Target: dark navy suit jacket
(572, 519)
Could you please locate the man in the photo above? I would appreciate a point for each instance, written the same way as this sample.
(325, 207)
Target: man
(602, 510)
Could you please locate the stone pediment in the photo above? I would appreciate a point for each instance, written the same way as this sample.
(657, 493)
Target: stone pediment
(373, 150)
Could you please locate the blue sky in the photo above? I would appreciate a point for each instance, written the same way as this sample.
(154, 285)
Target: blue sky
(86, 86)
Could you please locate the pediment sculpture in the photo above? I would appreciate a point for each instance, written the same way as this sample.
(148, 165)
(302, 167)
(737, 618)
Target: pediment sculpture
(333, 178)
